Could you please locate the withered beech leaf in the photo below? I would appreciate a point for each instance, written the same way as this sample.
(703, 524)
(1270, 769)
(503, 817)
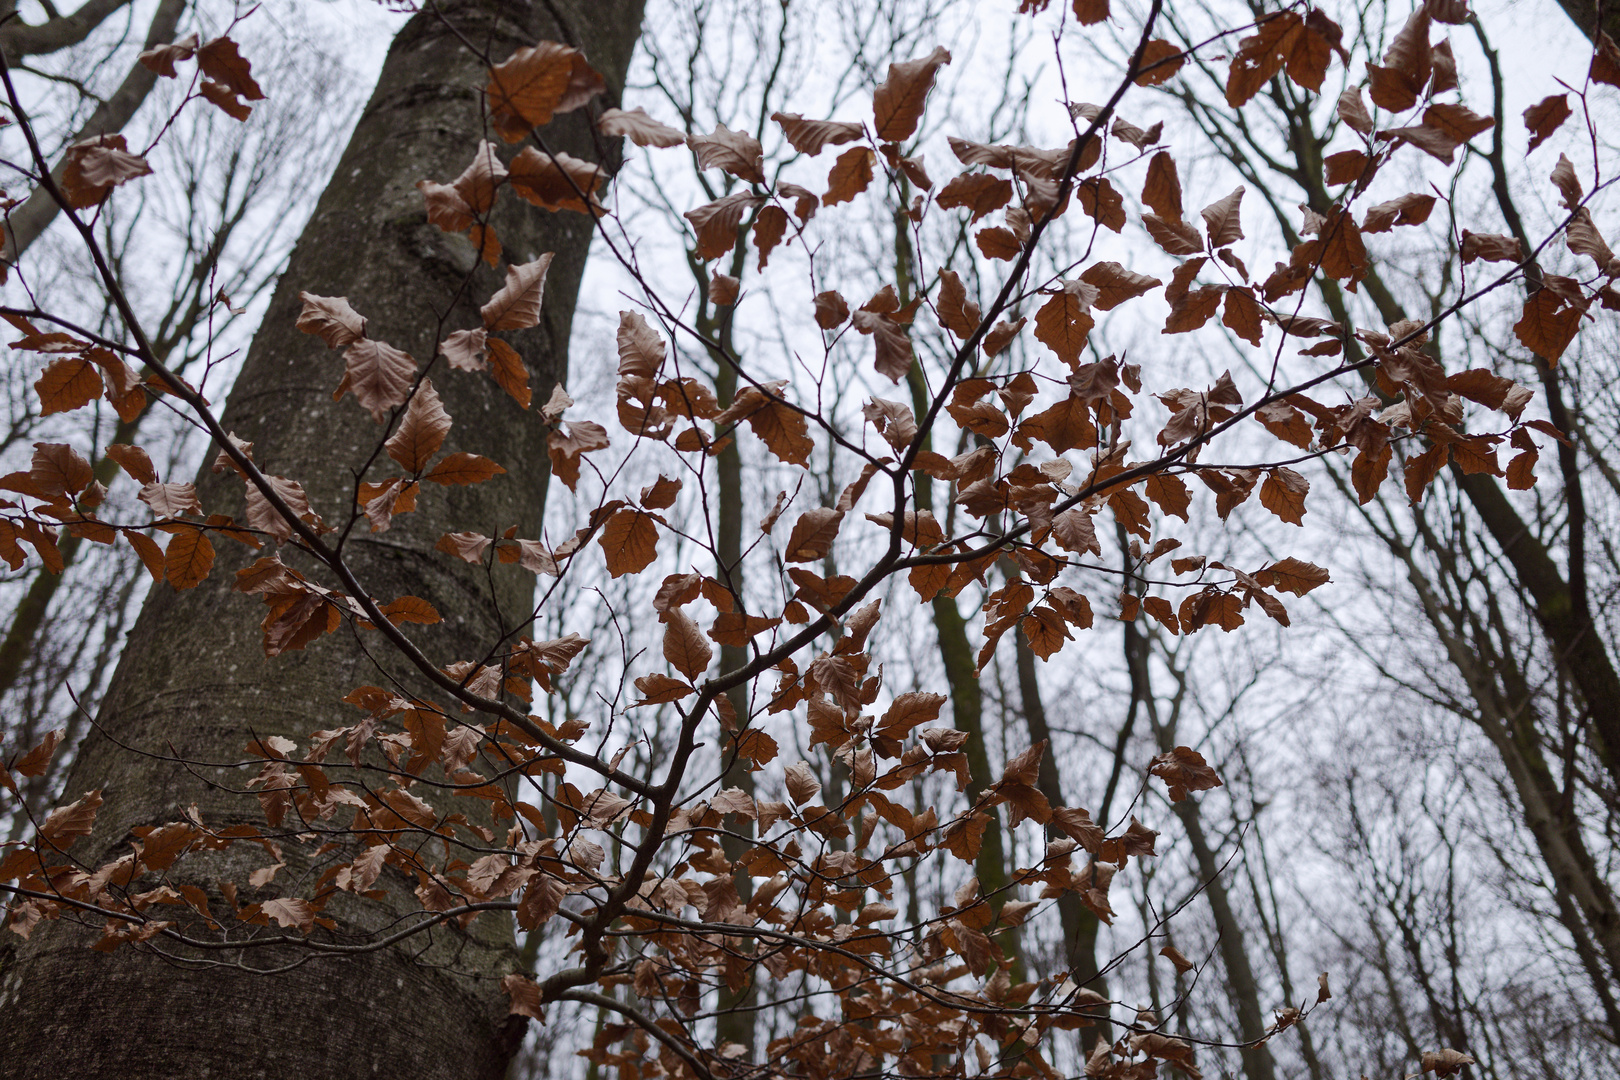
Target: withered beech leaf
(802, 785)
(630, 541)
(831, 310)
(1221, 219)
(556, 181)
(897, 105)
(188, 559)
(769, 227)
(171, 500)
(978, 193)
(422, 430)
(1283, 493)
(533, 83)
(893, 346)
(811, 136)
(736, 152)
(716, 223)
(445, 206)
(135, 461)
(161, 59)
(567, 442)
(516, 305)
(67, 383)
(685, 647)
(1002, 335)
(641, 349)
(1184, 770)
(639, 128)
(1161, 192)
(93, 167)
(331, 319)
(464, 349)
(850, 175)
(221, 61)
(378, 375)
(478, 181)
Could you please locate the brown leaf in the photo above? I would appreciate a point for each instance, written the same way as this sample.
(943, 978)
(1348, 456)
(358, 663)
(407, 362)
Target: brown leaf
(1221, 219)
(1490, 248)
(813, 534)
(979, 193)
(802, 785)
(516, 306)
(221, 62)
(716, 223)
(1445, 1062)
(1184, 770)
(657, 689)
(557, 181)
(565, 445)
(1411, 209)
(34, 762)
(1091, 12)
(1283, 493)
(784, 430)
(1583, 238)
(93, 167)
(533, 83)
(1353, 111)
(67, 383)
(1547, 326)
(1181, 963)
(161, 59)
(73, 820)
(1293, 576)
(897, 105)
(331, 319)
(893, 346)
(445, 206)
(1176, 237)
(811, 136)
(1101, 202)
(685, 646)
(736, 152)
(1001, 335)
(171, 500)
(1568, 185)
(850, 175)
(1064, 322)
(422, 430)
(769, 227)
(1115, 284)
(831, 310)
(1160, 62)
(469, 547)
(478, 182)
(378, 375)
(630, 540)
(134, 461)
(188, 559)
(955, 312)
(525, 993)
(640, 128)
(1162, 189)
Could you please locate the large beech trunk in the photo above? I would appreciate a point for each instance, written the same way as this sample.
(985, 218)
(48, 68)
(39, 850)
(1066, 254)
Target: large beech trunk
(194, 682)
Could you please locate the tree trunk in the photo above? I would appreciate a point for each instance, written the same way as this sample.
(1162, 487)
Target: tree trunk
(193, 681)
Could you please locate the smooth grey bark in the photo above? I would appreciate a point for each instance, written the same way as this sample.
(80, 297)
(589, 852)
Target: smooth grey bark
(193, 680)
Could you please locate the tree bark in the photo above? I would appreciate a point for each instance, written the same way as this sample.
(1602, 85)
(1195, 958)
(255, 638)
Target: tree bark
(193, 681)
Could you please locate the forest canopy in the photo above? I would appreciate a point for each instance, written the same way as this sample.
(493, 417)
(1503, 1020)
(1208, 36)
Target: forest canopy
(886, 538)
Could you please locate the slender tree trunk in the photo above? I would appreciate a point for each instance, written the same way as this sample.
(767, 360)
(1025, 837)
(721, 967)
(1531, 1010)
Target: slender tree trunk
(25, 224)
(193, 681)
